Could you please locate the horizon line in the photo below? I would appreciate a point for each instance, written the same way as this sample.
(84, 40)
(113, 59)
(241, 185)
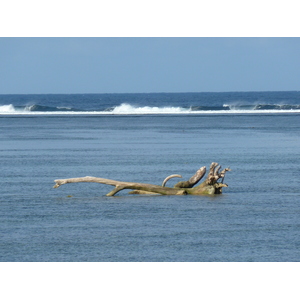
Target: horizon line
(95, 93)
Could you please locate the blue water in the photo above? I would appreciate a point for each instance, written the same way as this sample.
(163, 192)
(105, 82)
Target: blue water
(255, 219)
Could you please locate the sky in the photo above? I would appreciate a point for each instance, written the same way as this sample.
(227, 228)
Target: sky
(136, 65)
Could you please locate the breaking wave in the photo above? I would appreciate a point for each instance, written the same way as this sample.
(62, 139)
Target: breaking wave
(128, 109)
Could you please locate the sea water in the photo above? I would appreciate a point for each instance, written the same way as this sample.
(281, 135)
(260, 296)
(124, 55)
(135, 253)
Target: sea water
(145, 138)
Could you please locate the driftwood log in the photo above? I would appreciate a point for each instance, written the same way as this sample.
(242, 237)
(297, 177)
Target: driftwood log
(210, 186)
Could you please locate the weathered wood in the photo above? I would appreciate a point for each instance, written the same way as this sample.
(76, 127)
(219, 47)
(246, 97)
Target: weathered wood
(169, 177)
(193, 180)
(121, 185)
(209, 186)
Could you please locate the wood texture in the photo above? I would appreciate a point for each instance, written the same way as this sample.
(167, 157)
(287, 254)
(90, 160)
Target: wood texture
(209, 187)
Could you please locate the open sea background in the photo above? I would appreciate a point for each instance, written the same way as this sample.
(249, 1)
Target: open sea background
(144, 138)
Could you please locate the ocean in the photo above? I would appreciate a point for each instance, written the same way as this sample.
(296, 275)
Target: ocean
(144, 138)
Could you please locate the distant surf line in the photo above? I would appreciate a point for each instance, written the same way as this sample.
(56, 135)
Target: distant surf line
(128, 109)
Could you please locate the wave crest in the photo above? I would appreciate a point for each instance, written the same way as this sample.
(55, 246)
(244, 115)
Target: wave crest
(7, 108)
(129, 109)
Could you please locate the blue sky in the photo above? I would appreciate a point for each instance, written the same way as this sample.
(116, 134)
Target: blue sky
(128, 65)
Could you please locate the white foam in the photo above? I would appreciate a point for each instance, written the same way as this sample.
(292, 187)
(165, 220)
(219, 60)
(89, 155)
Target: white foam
(7, 108)
(127, 109)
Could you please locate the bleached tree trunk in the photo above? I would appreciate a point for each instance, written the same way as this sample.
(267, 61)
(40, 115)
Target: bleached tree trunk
(209, 187)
